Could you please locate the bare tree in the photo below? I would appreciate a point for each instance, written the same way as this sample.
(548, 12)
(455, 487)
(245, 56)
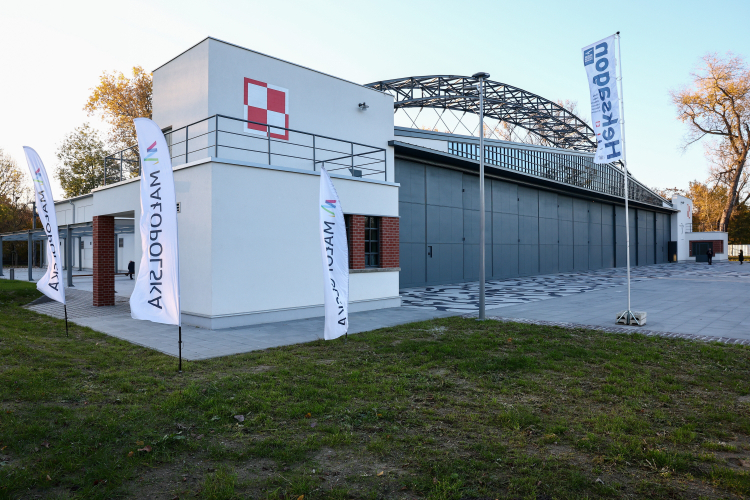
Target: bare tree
(717, 104)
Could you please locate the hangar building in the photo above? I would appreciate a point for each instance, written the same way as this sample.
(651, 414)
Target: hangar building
(248, 134)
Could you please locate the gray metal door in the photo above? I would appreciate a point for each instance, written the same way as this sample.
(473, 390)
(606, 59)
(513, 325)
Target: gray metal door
(471, 227)
(548, 233)
(580, 234)
(620, 243)
(650, 237)
(565, 233)
(608, 236)
(661, 238)
(444, 222)
(641, 216)
(411, 207)
(633, 220)
(528, 231)
(504, 229)
(595, 235)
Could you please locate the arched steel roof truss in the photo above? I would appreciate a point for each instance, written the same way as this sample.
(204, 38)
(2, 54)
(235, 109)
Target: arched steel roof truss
(540, 116)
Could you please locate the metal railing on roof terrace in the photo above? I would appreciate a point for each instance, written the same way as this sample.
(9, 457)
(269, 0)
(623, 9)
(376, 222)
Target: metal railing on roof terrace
(230, 138)
(568, 168)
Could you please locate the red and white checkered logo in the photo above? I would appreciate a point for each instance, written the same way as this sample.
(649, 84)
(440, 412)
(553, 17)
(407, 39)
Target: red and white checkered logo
(265, 103)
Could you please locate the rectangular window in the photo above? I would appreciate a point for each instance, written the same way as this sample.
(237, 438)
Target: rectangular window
(372, 242)
(121, 243)
(348, 224)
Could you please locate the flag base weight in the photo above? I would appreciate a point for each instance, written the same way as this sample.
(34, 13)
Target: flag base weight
(631, 318)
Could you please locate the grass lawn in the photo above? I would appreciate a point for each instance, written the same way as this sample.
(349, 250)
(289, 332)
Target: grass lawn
(445, 409)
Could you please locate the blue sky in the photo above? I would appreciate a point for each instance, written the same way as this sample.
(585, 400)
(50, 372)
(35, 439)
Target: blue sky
(54, 52)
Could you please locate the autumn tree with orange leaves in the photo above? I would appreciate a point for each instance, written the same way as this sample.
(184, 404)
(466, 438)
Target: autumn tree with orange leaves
(717, 106)
(119, 99)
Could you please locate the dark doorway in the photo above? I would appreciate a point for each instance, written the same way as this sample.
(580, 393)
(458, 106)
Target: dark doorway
(699, 250)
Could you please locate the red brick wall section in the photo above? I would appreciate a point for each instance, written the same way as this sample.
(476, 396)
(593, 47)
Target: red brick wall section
(104, 261)
(357, 243)
(389, 241)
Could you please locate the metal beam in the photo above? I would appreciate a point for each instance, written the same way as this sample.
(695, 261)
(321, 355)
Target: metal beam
(542, 117)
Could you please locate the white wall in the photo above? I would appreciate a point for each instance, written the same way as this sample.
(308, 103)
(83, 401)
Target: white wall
(679, 221)
(180, 91)
(425, 143)
(266, 253)
(210, 77)
(249, 245)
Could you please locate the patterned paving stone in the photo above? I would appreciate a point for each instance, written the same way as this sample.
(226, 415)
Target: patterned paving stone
(464, 297)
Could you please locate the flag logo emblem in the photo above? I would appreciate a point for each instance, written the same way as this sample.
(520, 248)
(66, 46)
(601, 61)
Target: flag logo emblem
(330, 204)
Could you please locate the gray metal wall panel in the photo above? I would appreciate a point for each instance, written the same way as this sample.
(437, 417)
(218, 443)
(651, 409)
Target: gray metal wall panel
(471, 262)
(528, 201)
(547, 205)
(528, 260)
(471, 227)
(444, 187)
(548, 258)
(595, 234)
(504, 197)
(412, 264)
(564, 208)
(456, 225)
(580, 233)
(433, 223)
(595, 213)
(595, 256)
(455, 269)
(633, 237)
(650, 238)
(608, 256)
(565, 232)
(445, 230)
(565, 258)
(528, 230)
(580, 257)
(506, 257)
(619, 236)
(661, 239)
(470, 195)
(548, 232)
(580, 210)
(608, 235)
(411, 177)
(508, 229)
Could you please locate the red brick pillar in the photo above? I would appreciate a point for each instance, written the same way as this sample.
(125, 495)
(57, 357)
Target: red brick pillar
(357, 245)
(389, 241)
(104, 261)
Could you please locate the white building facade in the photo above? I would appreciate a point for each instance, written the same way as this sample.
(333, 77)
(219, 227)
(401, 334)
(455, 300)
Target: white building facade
(248, 193)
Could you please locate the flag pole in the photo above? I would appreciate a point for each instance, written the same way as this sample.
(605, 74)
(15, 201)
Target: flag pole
(629, 313)
(481, 77)
(179, 332)
(65, 307)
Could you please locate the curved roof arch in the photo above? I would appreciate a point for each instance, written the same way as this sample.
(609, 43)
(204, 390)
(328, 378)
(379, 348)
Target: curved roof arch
(505, 103)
